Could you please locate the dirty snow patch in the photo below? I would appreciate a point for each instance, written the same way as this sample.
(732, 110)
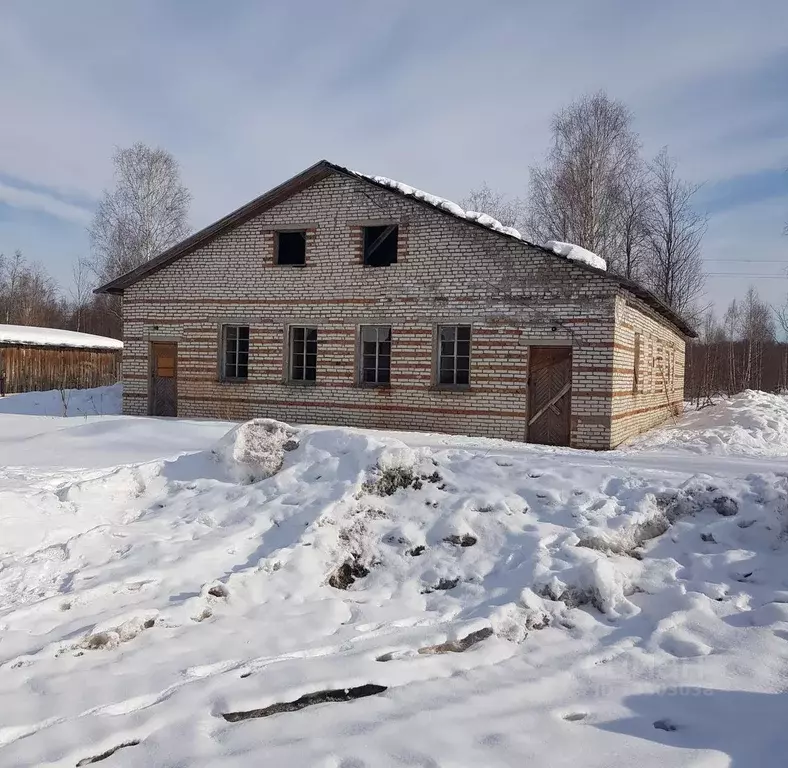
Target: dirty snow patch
(255, 450)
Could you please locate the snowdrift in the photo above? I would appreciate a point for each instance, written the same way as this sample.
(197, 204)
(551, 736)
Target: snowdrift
(469, 594)
(99, 401)
(748, 424)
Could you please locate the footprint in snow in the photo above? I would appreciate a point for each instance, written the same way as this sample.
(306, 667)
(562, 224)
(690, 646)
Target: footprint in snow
(684, 647)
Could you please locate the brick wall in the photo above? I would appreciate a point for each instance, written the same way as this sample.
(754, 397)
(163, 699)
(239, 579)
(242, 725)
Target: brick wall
(446, 272)
(656, 392)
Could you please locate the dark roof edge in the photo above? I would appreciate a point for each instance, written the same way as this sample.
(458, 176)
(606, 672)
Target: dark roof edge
(319, 171)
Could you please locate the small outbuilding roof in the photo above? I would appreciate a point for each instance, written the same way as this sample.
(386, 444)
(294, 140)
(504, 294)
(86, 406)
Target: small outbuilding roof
(32, 336)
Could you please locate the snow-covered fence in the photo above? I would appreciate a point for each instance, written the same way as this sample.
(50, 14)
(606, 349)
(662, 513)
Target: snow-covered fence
(40, 359)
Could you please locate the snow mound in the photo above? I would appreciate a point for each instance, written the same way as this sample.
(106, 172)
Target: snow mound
(748, 424)
(576, 253)
(255, 450)
(55, 337)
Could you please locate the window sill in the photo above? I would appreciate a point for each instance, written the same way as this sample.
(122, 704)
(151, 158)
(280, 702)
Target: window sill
(288, 266)
(366, 385)
(223, 380)
(450, 388)
(297, 383)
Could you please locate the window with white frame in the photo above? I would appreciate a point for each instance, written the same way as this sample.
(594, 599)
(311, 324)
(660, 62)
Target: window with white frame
(303, 353)
(375, 357)
(235, 351)
(454, 355)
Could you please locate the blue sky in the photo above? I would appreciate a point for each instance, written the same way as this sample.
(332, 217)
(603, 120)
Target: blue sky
(442, 95)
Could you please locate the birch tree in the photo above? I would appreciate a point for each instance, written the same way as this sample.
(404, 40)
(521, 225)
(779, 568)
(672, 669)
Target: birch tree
(142, 215)
(675, 229)
(579, 194)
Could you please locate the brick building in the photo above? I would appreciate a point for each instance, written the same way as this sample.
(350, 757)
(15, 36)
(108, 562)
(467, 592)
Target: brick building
(337, 298)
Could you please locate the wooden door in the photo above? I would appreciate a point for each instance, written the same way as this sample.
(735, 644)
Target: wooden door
(549, 395)
(163, 379)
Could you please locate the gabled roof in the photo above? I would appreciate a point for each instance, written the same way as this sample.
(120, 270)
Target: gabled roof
(322, 170)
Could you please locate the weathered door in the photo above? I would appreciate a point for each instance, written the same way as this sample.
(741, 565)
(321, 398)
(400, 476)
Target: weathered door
(163, 379)
(549, 395)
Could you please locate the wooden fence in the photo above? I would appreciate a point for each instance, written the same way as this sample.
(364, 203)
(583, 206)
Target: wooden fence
(30, 369)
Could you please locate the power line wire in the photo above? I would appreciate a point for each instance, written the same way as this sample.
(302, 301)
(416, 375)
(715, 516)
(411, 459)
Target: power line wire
(743, 274)
(749, 261)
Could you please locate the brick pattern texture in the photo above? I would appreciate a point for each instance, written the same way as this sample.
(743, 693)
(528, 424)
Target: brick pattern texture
(447, 271)
(656, 393)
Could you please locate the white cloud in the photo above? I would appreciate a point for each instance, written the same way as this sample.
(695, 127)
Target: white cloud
(39, 201)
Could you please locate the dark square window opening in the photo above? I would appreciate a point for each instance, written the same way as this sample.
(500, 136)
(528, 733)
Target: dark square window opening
(375, 354)
(380, 245)
(454, 355)
(235, 351)
(303, 354)
(291, 248)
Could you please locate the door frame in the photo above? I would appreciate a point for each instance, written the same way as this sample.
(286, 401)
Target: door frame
(152, 369)
(548, 344)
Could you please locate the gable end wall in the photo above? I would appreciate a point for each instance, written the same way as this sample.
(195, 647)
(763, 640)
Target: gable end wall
(658, 394)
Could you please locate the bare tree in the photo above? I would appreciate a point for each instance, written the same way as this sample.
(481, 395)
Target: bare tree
(756, 330)
(145, 212)
(579, 194)
(80, 292)
(781, 313)
(674, 268)
(731, 323)
(632, 235)
(28, 294)
(10, 274)
(485, 200)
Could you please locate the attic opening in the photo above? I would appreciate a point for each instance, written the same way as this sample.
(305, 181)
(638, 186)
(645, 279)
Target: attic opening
(291, 248)
(380, 245)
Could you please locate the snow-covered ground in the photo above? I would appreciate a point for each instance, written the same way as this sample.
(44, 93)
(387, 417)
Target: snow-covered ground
(498, 604)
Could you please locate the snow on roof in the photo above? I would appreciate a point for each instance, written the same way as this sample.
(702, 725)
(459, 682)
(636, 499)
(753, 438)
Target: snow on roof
(54, 337)
(576, 253)
(444, 205)
(567, 250)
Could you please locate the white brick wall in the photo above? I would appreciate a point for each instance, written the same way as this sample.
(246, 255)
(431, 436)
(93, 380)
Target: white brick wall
(447, 271)
(658, 393)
